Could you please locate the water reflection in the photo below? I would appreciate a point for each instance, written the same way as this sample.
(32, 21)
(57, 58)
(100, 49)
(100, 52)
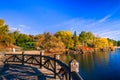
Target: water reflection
(96, 66)
(87, 61)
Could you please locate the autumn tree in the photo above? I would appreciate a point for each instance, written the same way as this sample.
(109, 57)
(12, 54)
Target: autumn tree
(101, 43)
(4, 30)
(49, 43)
(66, 38)
(114, 42)
(1, 22)
(55, 44)
(5, 38)
(39, 40)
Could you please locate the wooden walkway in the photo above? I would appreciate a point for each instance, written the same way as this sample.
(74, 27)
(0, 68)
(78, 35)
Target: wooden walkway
(26, 72)
(35, 67)
(20, 72)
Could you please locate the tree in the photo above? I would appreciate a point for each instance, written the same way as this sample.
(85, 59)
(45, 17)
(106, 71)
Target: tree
(4, 29)
(86, 38)
(66, 38)
(31, 38)
(101, 43)
(118, 43)
(83, 37)
(39, 40)
(1, 22)
(50, 43)
(75, 39)
(90, 38)
(114, 42)
(21, 39)
(5, 38)
(55, 45)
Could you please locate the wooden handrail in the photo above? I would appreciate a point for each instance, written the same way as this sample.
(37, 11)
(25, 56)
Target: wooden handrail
(70, 75)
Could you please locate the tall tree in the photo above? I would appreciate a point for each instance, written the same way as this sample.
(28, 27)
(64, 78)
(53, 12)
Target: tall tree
(90, 39)
(75, 39)
(83, 37)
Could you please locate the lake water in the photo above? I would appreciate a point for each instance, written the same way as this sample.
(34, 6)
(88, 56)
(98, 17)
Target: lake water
(97, 66)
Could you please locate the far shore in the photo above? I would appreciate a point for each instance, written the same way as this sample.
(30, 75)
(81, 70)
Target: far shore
(117, 46)
(32, 52)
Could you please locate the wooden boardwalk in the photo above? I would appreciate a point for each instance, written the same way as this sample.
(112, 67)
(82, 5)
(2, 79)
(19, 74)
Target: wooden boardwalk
(34, 67)
(20, 72)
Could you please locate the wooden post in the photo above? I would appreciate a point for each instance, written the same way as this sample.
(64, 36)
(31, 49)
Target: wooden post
(23, 58)
(55, 66)
(2, 58)
(58, 57)
(40, 59)
(42, 52)
(74, 67)
(13, 49)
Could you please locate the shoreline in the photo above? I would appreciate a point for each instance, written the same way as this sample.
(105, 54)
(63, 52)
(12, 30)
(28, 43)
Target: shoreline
(117, 46)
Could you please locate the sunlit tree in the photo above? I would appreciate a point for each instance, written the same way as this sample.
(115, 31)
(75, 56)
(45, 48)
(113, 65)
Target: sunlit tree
(66, 38)
(83, 37)
(101, 43)
(1, 22)
(50, 43)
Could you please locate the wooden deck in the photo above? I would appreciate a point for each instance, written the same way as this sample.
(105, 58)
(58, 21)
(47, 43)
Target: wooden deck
(34, 67)
(20, 72)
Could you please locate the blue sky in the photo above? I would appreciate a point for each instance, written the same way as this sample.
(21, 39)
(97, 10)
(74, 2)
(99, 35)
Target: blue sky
(102, 17)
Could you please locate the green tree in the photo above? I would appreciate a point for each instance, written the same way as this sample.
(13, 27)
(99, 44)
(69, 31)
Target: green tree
(75, 39)
(118, 43)
(83, 38)
(31, 38)
(90, 39)
(21, 39)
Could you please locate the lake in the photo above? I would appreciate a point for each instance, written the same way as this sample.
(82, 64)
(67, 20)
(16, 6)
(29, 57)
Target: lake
(97, 66)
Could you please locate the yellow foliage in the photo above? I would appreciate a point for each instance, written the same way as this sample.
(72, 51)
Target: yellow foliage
(51, 44)
(1, 22)
(101, 43)
(111, 44)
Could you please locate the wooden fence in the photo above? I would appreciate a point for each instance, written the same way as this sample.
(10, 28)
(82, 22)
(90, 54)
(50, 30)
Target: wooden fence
(59, 69)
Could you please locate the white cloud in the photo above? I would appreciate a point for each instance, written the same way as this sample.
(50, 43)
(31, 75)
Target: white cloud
(13, 28)
(22, 28)
(104, 18)
(111, 34)
(103, 27)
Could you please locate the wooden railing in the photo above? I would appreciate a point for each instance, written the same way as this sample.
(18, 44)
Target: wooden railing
(60, 70)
